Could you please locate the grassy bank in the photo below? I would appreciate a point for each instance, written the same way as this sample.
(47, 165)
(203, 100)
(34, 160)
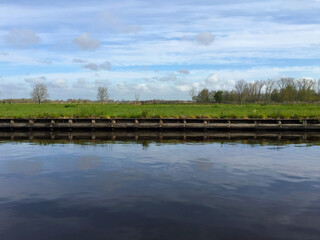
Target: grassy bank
(152, 111)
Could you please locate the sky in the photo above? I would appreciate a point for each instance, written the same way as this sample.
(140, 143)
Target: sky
(159, 49)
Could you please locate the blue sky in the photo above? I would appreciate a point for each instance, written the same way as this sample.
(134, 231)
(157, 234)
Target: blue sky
(161, 49)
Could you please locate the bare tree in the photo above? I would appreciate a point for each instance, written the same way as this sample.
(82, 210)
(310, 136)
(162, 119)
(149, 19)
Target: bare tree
(137, 96)
(305, 84)
(286, 82)
(39, 93)
(252, 91)
(241, 87)
(270, 86)
(305, 89)
(288, 89)
(260, 85)
(102, 94)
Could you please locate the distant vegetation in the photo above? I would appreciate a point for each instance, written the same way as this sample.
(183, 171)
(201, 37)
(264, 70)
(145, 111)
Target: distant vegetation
(88, 110)
(285, 90)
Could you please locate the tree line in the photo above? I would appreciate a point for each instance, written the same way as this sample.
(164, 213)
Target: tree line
(284, 90)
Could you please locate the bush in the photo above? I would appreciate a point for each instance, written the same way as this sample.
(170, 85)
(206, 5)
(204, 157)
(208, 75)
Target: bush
(70, 105)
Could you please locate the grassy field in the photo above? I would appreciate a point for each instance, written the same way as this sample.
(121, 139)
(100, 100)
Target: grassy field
(153, 111)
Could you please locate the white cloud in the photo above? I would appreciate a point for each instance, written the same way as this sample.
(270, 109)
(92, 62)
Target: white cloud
(167, 78)
(36, 80)
(80, 83)
(101, 82)
(10, 89)
(55, 83)
(97, 67)
(84, 42)
(204, 38)
(162, 77)
(151, 90)
(90, 85)
(184, 87)
(21, 38)
(212, 79)
(59, 83)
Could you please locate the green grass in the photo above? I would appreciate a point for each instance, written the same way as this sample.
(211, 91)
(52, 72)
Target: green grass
(161, 110)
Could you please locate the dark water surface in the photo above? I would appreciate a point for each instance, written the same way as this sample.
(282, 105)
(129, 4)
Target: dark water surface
(174, 190)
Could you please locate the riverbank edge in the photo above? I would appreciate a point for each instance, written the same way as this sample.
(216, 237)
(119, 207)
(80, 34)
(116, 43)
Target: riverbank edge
(157, 124)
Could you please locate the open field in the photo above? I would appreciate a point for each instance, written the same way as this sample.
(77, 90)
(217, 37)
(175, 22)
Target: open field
(161, 110)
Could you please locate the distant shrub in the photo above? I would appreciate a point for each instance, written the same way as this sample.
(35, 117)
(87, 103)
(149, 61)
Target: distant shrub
(70, 105)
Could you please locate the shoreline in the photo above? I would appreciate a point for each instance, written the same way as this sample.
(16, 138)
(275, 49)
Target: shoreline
(157, 124)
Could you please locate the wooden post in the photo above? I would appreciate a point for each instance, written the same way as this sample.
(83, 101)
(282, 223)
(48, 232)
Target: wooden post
(51, 125)
(31, 122)
(93, 122)
(113, 121)
(305, 124)
(11, 124)
(70, 125)
(160, 125)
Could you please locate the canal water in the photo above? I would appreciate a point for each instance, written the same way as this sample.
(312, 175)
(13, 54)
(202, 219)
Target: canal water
(159, 190)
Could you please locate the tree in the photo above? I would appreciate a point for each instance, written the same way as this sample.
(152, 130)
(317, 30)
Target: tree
(269, 87)
(39, 93)
(306, 90)
(259, 85)
(288, 89)
(204, 96)
(102, 94)
(218, 96)
(252, 92)
(275, 95)
(137, 96)
(241, 87)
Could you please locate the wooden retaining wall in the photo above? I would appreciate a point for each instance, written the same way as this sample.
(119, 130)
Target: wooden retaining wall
(159, 124)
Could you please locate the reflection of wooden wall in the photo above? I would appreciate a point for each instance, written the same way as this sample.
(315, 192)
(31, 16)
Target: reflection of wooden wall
(163, 136)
